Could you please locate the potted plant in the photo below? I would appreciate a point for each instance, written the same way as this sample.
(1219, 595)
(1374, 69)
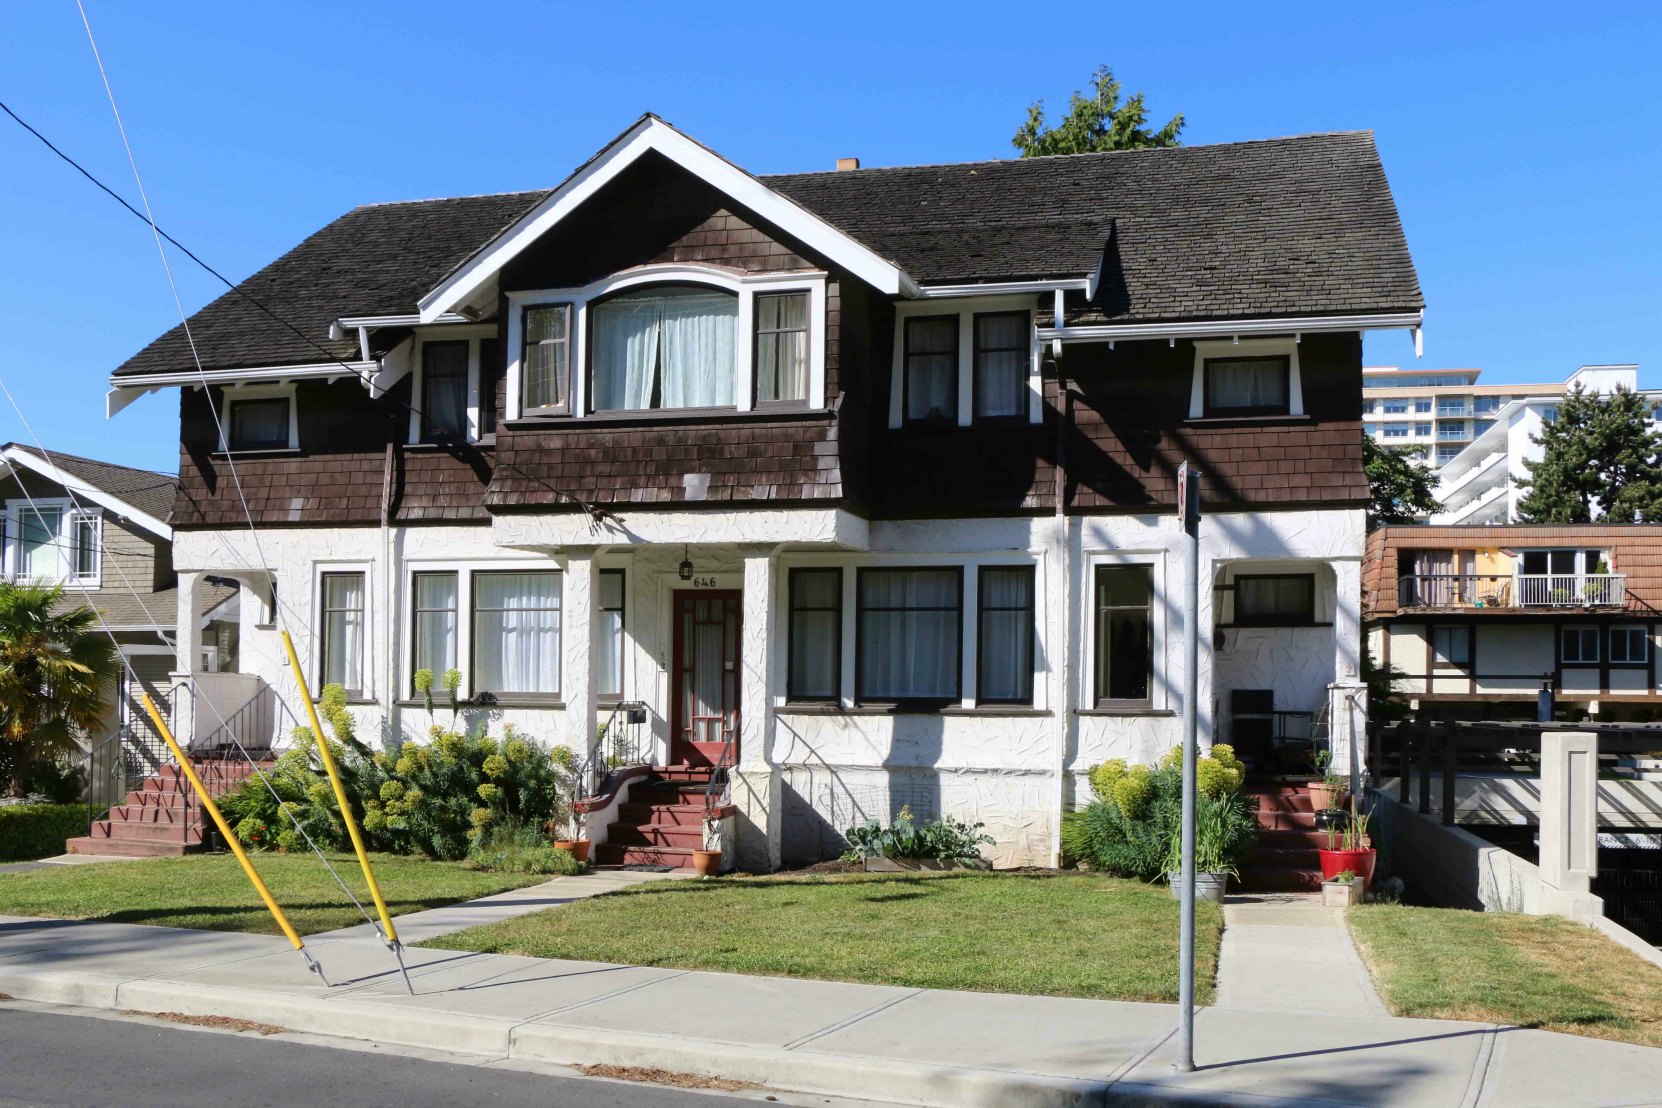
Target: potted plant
(1327, 794)
(1213, 867)
(570, 814)
(1342, 890)
(706, 863)
(1349, 848)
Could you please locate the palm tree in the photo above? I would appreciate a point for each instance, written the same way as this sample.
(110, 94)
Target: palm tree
(55, 669)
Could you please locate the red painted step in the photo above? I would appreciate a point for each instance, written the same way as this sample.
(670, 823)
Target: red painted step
(162, 817)
(617, 854)
(1286, 857)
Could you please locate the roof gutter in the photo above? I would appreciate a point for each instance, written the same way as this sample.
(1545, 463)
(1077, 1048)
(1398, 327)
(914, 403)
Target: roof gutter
(125, 390)
(1001, 288)
(1238, 328)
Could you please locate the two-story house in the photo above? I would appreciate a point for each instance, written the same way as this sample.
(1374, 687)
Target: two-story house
(863, 480)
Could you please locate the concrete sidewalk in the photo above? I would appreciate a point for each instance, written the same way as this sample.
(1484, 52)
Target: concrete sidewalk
(876, 1042)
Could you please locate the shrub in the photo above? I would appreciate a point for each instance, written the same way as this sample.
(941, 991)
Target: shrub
(1134, 828)
(513, 847)
(38, 830)
(944, 839)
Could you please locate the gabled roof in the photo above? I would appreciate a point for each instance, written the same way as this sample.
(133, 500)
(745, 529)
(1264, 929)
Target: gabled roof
(1300, 226)
(142, 496)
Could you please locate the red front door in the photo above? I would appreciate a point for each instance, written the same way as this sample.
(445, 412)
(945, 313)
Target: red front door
(706, 678)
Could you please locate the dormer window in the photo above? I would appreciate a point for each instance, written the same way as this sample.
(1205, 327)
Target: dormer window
(781, 347)
(1247, 387)
(444, 391)
(547, 358)
(931, 368)
(668, 347)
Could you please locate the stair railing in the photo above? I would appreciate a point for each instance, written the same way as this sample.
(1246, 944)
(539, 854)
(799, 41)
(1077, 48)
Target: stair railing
(250, 728)
(721, 776)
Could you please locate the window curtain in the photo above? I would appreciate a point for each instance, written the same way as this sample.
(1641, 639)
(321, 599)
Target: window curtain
(1006, 654)
(444, 390)
(1001, 361)
(909, 635)
(816, 597)
(260, 424)
(672, 349)
(546, 344)
(1243, 383)
(343, 630)
(435, 630)
(932, 368)
(516, 632)
(782, 347)
(608, 634)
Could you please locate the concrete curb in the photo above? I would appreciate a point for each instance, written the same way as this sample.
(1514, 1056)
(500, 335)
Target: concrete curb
(799, 1070)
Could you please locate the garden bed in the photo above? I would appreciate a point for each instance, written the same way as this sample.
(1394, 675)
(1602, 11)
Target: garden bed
(210, 891)
(1046, 934)
(1499, 967)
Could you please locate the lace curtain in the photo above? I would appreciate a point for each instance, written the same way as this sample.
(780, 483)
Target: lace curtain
(516, 632)
(670, 348)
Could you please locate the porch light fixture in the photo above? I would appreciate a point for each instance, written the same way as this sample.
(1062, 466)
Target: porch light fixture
(686, 569)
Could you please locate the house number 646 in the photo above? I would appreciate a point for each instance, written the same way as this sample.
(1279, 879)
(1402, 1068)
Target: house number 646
(704, 582)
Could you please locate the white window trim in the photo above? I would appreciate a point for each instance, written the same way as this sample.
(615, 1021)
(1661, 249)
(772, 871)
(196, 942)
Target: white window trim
(367, 665)
(745, 286)
(966, 309)
(464, 571)
(234, 393)
(1247, 348)
(63, 542)
(1155, 560)
(473, 335)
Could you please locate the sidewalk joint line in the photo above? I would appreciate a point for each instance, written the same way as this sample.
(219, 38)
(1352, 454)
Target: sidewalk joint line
(851, 1020)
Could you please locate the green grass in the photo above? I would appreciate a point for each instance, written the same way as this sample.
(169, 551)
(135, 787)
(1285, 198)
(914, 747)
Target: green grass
(210, 891)
(1535, 971)
(1053, 935)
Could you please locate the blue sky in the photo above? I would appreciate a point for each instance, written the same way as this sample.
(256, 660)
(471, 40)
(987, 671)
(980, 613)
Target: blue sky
(1522, 142)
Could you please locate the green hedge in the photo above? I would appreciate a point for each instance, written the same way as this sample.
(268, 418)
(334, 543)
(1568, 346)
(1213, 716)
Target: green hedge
(38, 830)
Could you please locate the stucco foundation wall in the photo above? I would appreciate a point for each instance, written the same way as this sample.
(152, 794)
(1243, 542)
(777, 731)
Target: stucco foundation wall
(1446, 867)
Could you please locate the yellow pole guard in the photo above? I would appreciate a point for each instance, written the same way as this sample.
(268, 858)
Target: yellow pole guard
(340, 792)
(219, 821)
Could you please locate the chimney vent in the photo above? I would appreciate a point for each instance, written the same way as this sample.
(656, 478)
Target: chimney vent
(845, 164)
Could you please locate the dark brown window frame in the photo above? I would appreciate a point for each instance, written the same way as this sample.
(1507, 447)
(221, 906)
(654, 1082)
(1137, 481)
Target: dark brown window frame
(1097, 699)
(606, 696)
(860, 609)
(473, 640)
(1032, 610)
(233, 403)
(428, 432)
(525, 344)
(1598, 645)
(1212, 411)
(588, 350)
(976, 350)
(1643, 631)
(906, 417)
(323, 629)
(1470, 636)
(1275, 621)
(415, 622)
(792, 696)
(756, 335)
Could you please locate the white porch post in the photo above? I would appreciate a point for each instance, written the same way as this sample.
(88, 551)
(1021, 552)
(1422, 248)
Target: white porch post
(187, 632)
(577, 686)
(1569, 822)
(1205, 685)
(757, 789)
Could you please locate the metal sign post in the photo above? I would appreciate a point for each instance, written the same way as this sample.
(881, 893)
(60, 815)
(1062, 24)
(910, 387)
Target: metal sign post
(1188, 512)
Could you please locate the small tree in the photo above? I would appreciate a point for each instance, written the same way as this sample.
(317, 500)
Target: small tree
(1598, 463)
(1399, 485)
(57, 670)
(1094, 124)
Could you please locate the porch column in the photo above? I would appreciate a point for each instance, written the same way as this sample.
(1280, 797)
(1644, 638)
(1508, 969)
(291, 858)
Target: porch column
(577, 686)
(1569, 823)
(1347, 620)
(757, 789)
(1205, 687)
(187, 635)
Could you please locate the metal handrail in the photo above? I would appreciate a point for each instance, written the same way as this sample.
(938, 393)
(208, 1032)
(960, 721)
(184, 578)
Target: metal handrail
(722, 773)
(250, 729)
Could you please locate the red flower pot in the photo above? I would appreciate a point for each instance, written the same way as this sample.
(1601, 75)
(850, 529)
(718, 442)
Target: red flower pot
(1359, 862)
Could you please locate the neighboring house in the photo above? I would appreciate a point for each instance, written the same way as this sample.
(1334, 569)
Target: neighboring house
(864, 479)
(101, 531)
(1480, 484)
(1484, 618)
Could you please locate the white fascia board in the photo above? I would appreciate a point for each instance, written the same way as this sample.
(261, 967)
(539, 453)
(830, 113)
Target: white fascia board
(1000, 288)
(118, 398)
(147, 382)
(1111, 332)
(652, 134)
(84, 491)
(339, 328)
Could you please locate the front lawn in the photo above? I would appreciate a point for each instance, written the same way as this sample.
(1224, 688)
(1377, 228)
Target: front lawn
(210, 891)
(1053, 935)
(1535, 971)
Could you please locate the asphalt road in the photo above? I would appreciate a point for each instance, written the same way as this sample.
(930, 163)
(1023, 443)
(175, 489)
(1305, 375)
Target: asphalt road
(51, 1059)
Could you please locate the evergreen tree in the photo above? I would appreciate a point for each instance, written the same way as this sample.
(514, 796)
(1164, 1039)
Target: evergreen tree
(1095, 124)
(1598, 463)
(1399, 485)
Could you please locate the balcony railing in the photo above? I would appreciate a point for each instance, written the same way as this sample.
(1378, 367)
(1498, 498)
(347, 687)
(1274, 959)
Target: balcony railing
(1530, 590)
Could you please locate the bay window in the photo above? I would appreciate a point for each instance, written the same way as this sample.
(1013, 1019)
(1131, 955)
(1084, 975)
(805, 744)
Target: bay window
(909, 628)
(931, 368)
(1004, 650)
(516, 633)
(667, 347)
(608, 634)
(444, 391)
(546, 358)
(435, 596)
(814, 669)
(781, 347)
(1124, 644)
(343, 632)
(1002, 352)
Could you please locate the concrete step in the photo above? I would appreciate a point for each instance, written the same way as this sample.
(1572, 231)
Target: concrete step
(1292, 840)
(656, 834)
(668, 796)
(1287, 821)
(152, 813)
(147, 832)
(125, 848)
(620, 854)
(694, 774)
(682, 814)
(1279, 879)
(1308, 857)
(1281, 802)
